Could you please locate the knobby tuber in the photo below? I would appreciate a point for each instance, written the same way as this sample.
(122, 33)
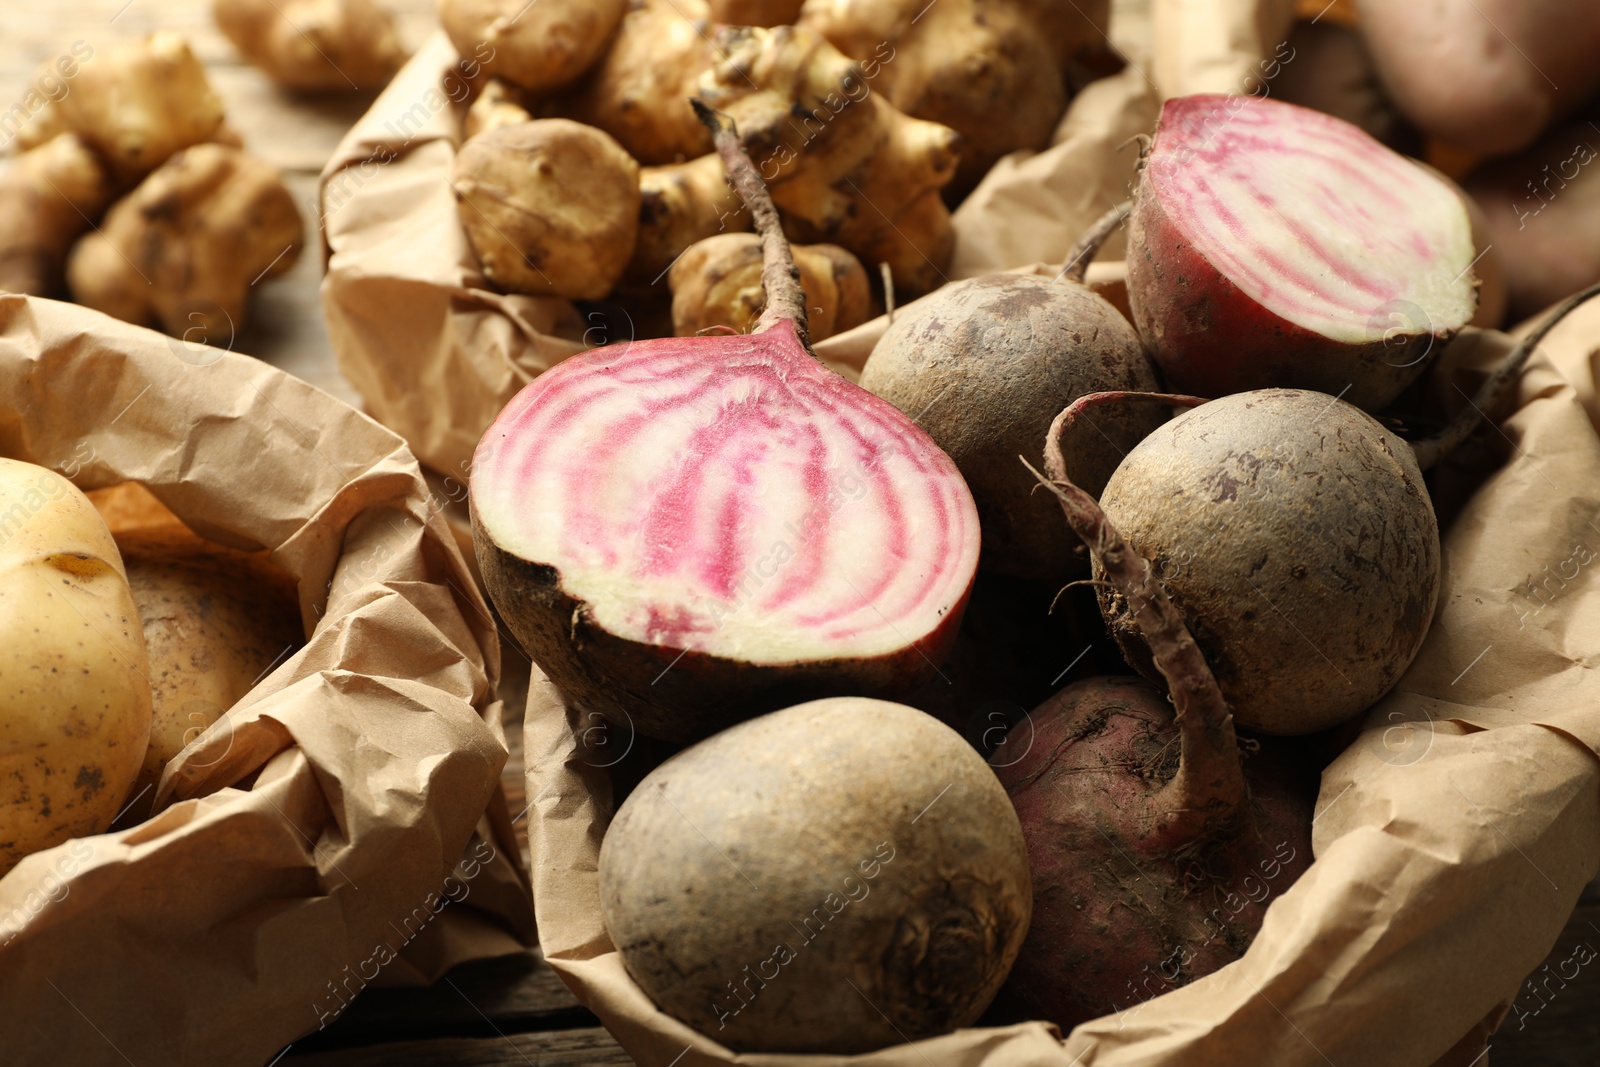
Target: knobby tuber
(989, 69)
(341, 45)
(550, 206)
(845, 166)
(541, 46)
(49, 195)
(679, 204)
(717, 282)
(137, 104)
(639, 91)
(498, 104)
(186, 247)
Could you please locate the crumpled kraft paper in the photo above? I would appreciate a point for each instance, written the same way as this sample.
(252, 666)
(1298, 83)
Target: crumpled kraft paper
(1452, 837)
(434, 351)
(304, 843)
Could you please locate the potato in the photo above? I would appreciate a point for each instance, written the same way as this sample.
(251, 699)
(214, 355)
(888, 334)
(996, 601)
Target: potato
(214, 621)
(74, 675)
(1484, 74)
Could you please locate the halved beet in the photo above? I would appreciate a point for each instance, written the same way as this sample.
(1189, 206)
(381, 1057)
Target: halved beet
(1271, 245)
(693, 531)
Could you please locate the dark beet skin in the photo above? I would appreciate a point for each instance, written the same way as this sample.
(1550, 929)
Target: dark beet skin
(630, 683)
(1136, 809)
(1212, 340)
(983, 367)
(1115, 920)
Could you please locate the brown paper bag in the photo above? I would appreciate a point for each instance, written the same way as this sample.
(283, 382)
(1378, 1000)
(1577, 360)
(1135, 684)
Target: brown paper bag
(330, 831)
(434, 351)
(1452, 838)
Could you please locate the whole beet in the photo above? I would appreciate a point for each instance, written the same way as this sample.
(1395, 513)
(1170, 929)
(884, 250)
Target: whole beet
(1295, 534)
(984, 366)
(1116, 922)
(1151, 855)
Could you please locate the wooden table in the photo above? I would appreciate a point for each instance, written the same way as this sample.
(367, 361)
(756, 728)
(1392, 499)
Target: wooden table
(513, 1012)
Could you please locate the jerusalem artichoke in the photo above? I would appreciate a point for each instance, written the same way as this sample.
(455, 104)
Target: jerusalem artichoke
(541, 46)
(184, 248)
(138, 104)
(638, 93)
(551, 206)
(315, 44)
(986, 68)
(717, 282)
(48, 196)
(845, 166)
(682, 203)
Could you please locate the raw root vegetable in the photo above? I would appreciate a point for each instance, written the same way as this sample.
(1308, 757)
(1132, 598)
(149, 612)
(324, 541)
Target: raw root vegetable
(342, 45)
(498, 104)
(187, 247)
(541, 46)
(1139, 819)
(1119, 917)
(215, 620)
(717, 282)
(846, 167)
(48, 197)
(639, 91)
(836, 877)
(690, 531)
(985, 365)
(679, 204)
(1297, 538)
(137, 104)
(551, 207)
(1327, 68)
(1487, 75)
(986, 68)
(1275, 246)
(74, 679)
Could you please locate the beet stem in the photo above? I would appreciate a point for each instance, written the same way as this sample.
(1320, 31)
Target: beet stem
(1430, 450)
(1088, 246)
(1208, 792)
(780, 278)
(1075, 410)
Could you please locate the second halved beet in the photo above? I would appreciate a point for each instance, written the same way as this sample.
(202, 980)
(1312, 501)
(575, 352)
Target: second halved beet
(701, 529)
(1271, 245)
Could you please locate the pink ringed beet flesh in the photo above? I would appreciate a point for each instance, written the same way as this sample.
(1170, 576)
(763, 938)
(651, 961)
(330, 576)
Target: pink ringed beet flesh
(1271, 245)
(693, 531)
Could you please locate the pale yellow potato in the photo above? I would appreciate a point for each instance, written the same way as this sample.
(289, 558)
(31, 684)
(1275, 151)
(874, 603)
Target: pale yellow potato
(214, 621)
(74, 675)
